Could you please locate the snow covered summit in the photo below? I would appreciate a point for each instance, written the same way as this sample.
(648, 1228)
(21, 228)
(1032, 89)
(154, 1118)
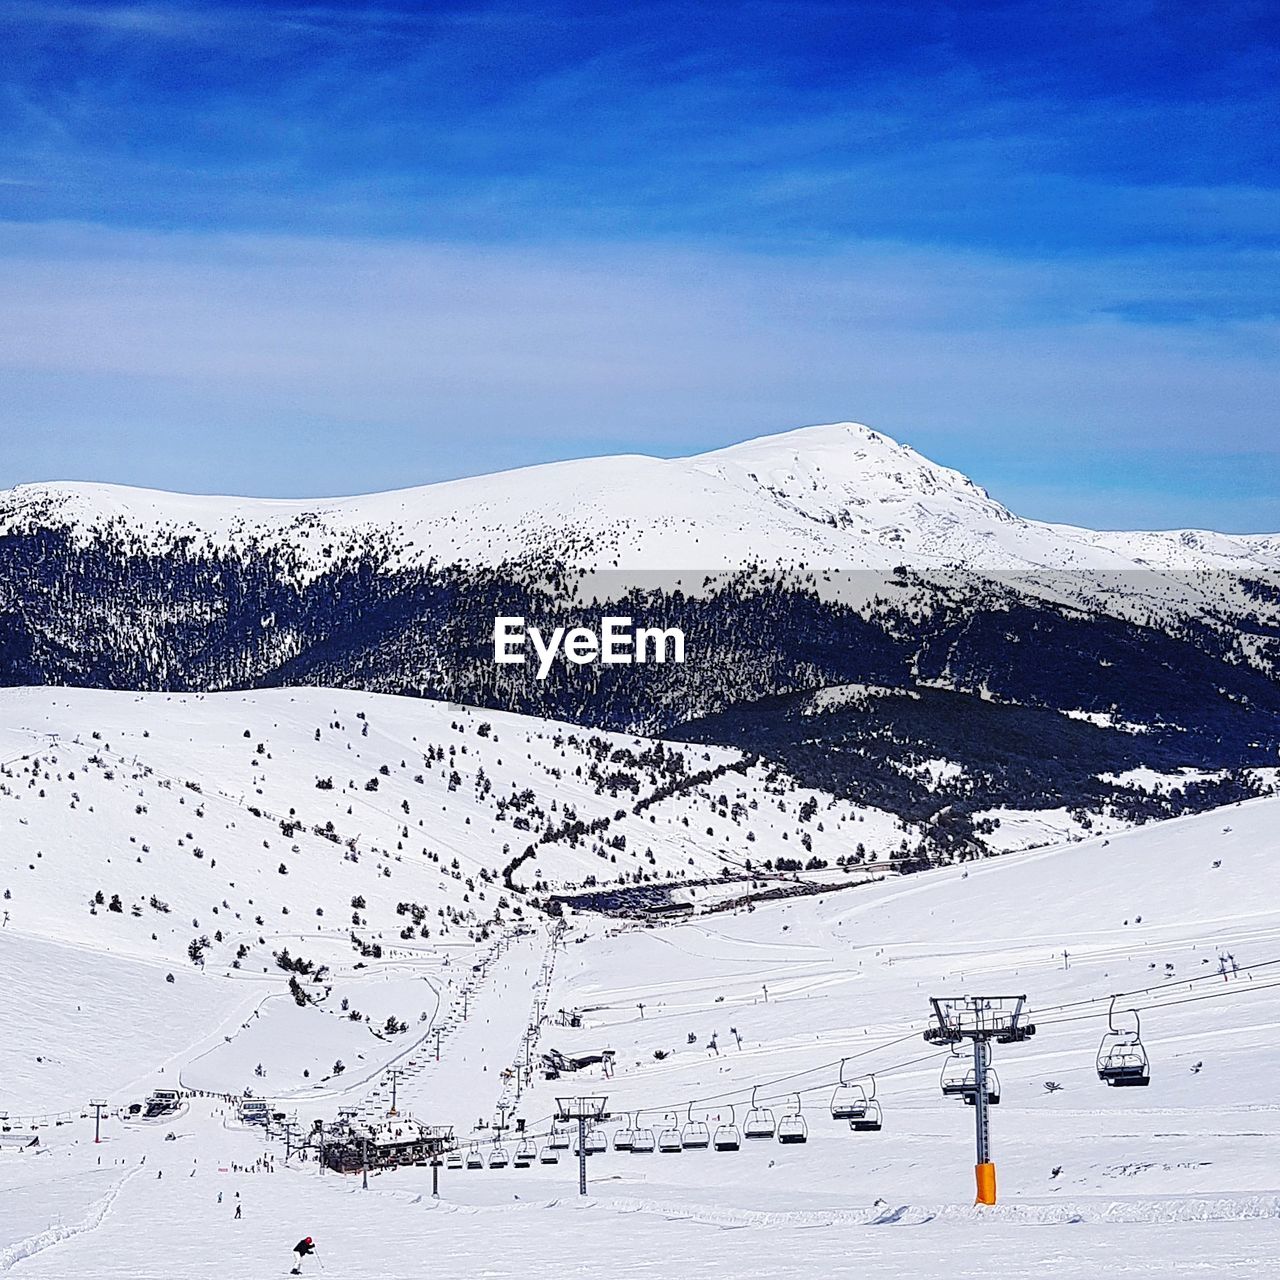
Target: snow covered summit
(840, 496)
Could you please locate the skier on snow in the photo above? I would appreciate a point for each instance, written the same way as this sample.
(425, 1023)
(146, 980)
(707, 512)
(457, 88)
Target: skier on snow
(303, 1249)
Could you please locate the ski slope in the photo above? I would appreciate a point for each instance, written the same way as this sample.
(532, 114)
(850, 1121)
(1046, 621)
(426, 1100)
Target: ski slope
(200, 816)
(1178, 1179)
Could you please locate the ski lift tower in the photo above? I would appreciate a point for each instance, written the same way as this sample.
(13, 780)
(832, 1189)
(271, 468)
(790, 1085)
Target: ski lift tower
(981, 1019)
(581, 1110)
(99, 1105)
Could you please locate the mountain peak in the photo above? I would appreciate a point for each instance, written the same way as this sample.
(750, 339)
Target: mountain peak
(830, 468)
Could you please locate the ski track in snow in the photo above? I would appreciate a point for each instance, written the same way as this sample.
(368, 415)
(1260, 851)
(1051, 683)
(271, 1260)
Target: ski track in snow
(51, 1237)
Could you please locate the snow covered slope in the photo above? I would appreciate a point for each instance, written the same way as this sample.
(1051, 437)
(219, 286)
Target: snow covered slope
(1175, 1180)
(840, 496)
(202, 835)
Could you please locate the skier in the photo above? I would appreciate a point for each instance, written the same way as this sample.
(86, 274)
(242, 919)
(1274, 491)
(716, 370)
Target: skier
(303, 1249)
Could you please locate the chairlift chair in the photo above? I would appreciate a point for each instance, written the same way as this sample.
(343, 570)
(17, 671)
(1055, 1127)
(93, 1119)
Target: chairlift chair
(643, 1142)
(548, 1156)
(865, 1114)
(559, 1139)
(474, 1159)
(956, 1079)
(622, 1138)
(871, 1121)
(453, 1160)
(594, 1143)
(498, 1158)
(695, 1136)
(849, 1099)
(727, 1136)
(793, 1129)
(1122, 1058)
(526, 1153)
(993, 1087)
(669, 1137)
(759, 1122)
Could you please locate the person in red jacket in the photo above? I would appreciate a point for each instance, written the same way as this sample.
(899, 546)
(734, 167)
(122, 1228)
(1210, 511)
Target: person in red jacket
(304, 1248)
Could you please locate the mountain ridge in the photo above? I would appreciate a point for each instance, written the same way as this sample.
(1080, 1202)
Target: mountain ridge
(841, 496)
(1030, 661)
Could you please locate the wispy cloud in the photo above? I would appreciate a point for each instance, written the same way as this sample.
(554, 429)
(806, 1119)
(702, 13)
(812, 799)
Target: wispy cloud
(820, 123)
(414, 361)
(170, 22)
(992, 228)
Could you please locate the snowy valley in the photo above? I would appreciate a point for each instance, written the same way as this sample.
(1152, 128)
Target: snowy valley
(151, 800)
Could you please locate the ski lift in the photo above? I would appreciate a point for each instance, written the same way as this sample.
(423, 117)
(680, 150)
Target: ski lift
(695, 1136)
(669, 1137)
(594, 1142)
(759, 1122)
(548, 1156)
(959, 1078)
(870, 1122)
(622, 1137)
(792, 1128)
(642, 1141)
(453, 1160)
(559, 1139)
(849, 1099)
(956, 1072)
(993, 1087)
(727, 1137)
(1122, 1059)
(869, 1118)
(498, 1158)
(526, 1153)
(474, 1159)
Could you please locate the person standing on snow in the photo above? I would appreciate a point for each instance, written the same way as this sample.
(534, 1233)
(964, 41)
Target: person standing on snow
(304, 1248)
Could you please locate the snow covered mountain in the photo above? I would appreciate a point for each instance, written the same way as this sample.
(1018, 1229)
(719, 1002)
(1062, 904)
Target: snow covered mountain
(235, 863)
(839, 497)
(828, 558)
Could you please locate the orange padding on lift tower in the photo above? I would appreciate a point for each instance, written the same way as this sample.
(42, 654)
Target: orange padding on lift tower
(986, 1183)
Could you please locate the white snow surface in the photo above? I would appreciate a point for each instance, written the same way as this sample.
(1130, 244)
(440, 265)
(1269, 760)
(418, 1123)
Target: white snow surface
(1176, 1180)
(151, 798)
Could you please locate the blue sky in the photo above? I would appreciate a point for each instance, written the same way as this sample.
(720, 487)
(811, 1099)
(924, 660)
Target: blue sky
(290, 249)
